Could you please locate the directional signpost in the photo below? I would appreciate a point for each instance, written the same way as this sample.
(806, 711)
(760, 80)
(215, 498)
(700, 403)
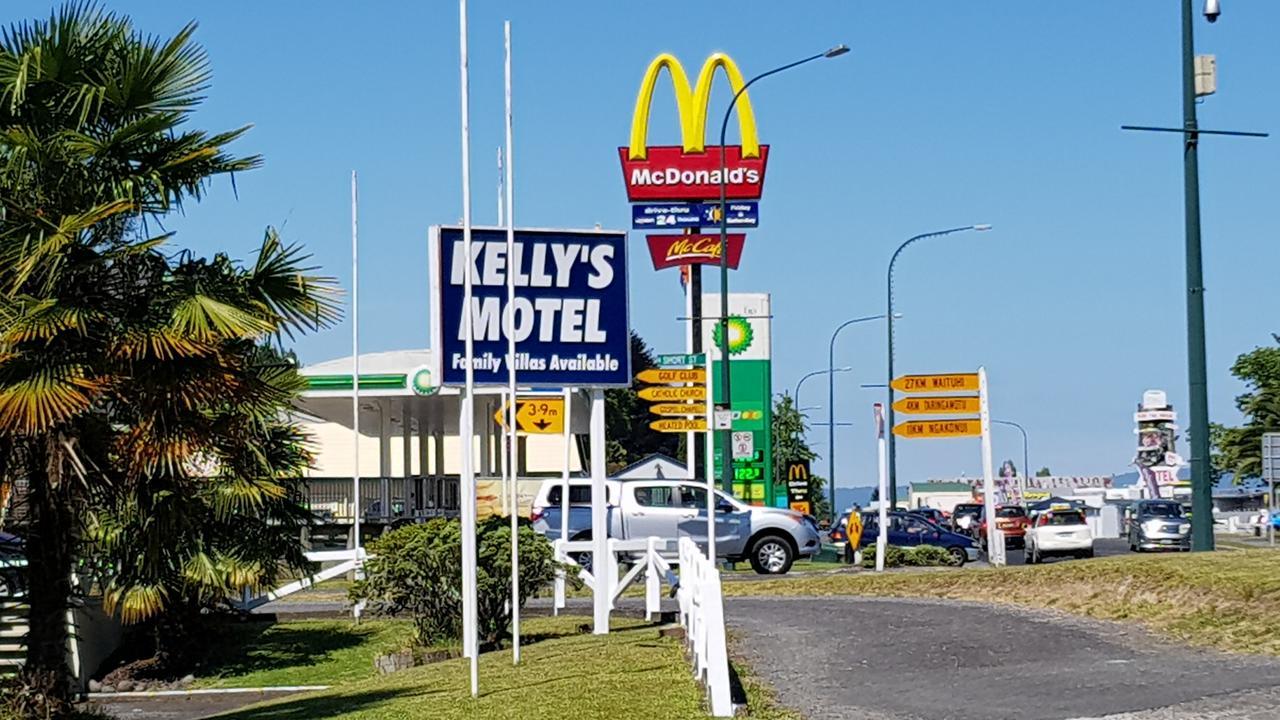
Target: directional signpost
(960, 427)
(666, 393)
(953, 427)
(674, 425)
(535, 415)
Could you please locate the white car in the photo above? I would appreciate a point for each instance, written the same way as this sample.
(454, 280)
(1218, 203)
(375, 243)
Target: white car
(1058, 531)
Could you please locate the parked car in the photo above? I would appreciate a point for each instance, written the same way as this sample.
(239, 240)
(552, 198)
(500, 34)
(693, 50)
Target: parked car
(771, 539)
(1058, 531)
(1158, 525)
(933, 515)
(13, 565)
(1012, 520)
(907, 529)
(963, 517)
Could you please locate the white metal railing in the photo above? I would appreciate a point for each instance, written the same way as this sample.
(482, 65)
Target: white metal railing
(697, 590)
(348, 560)
(702, 614)
(651, 562)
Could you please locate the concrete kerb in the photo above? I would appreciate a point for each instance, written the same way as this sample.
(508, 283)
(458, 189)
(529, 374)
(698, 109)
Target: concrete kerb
(208, 691)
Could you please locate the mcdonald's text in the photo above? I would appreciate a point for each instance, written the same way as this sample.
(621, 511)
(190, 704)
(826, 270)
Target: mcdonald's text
(669, 173)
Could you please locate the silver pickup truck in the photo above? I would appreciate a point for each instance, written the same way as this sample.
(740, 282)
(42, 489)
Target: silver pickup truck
(770, 538)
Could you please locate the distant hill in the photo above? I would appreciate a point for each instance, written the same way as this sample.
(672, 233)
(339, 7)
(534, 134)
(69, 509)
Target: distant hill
(861, 496)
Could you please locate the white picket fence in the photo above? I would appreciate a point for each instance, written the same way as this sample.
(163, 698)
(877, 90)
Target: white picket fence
(698, 593)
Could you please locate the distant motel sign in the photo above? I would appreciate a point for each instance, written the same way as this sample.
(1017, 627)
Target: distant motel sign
(571, 315)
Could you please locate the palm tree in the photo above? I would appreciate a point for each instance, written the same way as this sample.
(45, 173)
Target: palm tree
(115, 357)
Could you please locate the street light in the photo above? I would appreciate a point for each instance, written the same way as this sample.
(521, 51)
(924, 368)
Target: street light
(831, 412)
(1026, 467)
(893, 451)
(726, 446)
(796, 396)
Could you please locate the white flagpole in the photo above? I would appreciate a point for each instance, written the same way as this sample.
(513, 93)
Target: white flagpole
(355, 384)
(466, 419)
(504, 490)
(882, 527)
(564, 495)
(511, 370)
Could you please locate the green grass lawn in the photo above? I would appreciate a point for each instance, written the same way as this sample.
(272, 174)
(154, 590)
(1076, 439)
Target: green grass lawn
(1228, 600)
(629, 673)
(306, 652)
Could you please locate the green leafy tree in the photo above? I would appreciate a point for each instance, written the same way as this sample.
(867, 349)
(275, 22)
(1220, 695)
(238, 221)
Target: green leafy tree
(788, 431)
(1044, 472)
(627, 418)
(119, 360)
(1238, 450)
(416, 571)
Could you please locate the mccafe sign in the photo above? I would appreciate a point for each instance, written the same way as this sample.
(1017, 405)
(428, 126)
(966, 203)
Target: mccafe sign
(674, 250)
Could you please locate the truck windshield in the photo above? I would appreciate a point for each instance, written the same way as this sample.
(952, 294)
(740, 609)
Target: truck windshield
(1170, 510)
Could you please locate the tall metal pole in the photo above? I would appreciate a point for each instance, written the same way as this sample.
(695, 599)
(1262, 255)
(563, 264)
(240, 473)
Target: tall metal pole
(355, 385)
(893, 445)
(726, 457)
(795, 397)
(466, 412)
(831, 414)
(1201, 490)
(512, 446)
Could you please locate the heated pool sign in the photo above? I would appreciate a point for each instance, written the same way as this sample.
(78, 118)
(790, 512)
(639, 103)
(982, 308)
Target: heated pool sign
(570, 309)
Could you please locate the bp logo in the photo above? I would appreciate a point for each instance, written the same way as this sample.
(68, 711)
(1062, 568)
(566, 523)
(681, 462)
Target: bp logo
(740, 334)
(420, 382)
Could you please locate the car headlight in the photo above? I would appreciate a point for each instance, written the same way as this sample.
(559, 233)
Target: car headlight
(1151, 526)
(1184, 527)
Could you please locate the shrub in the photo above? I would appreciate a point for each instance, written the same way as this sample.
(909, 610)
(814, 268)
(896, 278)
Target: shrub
(417, 571)
(921, 556)
(929, 556)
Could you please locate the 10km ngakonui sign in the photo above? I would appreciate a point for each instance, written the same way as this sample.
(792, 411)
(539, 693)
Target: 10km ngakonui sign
(692, 171)
(570, 311)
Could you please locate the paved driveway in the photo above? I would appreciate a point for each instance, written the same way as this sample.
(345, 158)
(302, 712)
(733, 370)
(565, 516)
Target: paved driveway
(852, 658)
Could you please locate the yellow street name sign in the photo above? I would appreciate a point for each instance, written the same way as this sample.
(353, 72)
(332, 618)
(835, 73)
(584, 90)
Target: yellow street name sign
(938, 405)
(668, 393)
(672, 375)
(536, 415)
(682, 425)
(961, 427)
(951, 382)
(679, 409)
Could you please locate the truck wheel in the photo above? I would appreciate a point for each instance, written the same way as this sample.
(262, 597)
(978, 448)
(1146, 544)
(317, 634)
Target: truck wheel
(771, 555)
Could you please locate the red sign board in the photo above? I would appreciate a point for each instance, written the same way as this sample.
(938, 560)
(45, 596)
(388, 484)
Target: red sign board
(669, 173)
(674, 250)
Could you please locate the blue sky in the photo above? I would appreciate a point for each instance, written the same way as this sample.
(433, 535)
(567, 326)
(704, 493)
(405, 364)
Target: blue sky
(944, 114)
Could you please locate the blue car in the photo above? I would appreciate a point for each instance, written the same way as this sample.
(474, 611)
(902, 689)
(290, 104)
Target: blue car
(907, 529)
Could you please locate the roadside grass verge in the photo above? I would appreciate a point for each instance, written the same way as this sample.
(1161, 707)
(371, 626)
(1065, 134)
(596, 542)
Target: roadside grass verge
(1226, 600)
(303, 652)
(629, 673)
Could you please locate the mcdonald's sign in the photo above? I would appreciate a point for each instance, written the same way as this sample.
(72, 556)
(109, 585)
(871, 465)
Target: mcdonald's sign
(798, 486)
(691, 171)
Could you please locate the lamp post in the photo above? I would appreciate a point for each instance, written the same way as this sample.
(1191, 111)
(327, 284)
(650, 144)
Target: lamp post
(1026, 467)
(726, 444)
(893, 446)
(796, 396)
(831, 412)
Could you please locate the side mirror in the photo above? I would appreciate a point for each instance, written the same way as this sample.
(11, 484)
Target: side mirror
(724, 507)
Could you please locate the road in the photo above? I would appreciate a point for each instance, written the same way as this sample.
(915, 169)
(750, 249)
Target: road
(865, 659)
